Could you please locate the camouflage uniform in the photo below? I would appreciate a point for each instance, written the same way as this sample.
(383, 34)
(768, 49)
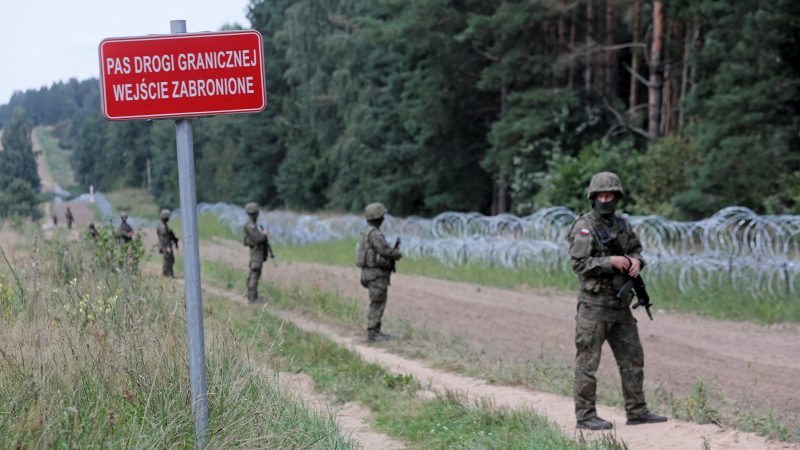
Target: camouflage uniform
(124, 231)
(93, 233)
(124, 237)
(601, 317)
(166, 239)
(257, 241)
(376, 259)
(70, 218)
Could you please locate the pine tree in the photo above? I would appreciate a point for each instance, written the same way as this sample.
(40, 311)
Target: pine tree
(17, 160)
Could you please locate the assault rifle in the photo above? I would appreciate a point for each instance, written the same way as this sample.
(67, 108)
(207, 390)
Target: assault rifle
(396, 245)
(268, 246)
(633, 285)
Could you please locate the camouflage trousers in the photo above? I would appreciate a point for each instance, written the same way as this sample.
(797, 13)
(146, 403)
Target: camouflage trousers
(595, 325)
(169, 263)
(252, 280)
(378, 293)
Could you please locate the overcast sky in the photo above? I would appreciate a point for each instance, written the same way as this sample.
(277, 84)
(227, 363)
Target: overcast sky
(44, 41)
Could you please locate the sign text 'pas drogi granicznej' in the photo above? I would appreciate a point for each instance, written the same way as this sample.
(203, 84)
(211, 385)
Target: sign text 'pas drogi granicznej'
(183, 75)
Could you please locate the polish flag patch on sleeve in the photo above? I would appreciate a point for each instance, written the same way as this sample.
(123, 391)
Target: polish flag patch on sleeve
(584, 231)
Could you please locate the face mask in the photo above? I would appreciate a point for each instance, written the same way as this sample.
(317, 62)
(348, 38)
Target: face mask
(605, 208)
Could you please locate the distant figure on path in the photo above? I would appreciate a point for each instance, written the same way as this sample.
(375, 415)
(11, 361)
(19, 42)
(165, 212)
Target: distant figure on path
(70, 218)
(166, 239)
(124, 231)
(258, 241)
(376, 258)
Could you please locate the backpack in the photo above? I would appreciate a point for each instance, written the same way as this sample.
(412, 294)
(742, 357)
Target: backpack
(361, 250)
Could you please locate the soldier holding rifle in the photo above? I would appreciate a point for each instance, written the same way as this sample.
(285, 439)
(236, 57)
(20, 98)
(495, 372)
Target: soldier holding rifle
(606, 254)
(257, 239)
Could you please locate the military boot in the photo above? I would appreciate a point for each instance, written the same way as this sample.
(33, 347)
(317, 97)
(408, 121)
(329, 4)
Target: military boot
(376, 336)
(595, 423)
(648, 417)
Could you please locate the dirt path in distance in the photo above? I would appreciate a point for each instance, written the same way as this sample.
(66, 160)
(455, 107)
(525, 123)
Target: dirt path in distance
(48, 183)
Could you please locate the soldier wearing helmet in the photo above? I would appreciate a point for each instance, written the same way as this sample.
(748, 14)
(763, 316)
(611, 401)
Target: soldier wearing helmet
(124, 230)
(258, 241)
(601, 316)
(376, 258)
(70, 218)
(166, 239)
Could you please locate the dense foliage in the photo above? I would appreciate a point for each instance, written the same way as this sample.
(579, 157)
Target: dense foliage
(491, 105)
(19, 180)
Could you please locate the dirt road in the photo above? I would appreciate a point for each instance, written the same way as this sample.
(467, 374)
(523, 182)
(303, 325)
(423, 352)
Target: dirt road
(753, 364)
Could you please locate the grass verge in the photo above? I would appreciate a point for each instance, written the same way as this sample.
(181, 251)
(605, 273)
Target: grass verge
(92, 357)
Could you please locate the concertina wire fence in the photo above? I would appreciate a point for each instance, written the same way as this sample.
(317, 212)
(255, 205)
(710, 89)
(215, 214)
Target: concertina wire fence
(735, 247)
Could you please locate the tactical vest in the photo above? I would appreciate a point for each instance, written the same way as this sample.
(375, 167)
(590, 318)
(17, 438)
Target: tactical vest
(367, 257)
(604, 287)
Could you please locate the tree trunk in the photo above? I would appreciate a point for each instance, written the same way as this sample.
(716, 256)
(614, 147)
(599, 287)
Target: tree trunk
(666, 91)
(611, 56)
(654, 91)
(684, 78)
(587, 69)
(637, 23)
(500, 196)
(687, 45)
(572, 33)
(562, 42)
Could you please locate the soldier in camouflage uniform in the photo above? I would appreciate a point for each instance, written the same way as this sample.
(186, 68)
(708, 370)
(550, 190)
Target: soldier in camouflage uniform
(70, 218)
(258, 241)
(601, 317)
(166, 239)
(376, 258)
(124, 231)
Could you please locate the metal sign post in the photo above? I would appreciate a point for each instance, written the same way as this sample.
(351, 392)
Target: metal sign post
(191, 270)
(184, 76)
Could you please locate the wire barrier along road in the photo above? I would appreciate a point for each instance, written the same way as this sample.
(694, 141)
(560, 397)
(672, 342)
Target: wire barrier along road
(735, 247)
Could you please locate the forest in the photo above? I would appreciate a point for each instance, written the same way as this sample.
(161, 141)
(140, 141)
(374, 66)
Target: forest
(474, 105)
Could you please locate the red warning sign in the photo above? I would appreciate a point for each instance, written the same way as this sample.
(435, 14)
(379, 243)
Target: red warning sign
(182, 75)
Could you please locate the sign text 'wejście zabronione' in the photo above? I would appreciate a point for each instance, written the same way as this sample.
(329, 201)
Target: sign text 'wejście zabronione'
(182, 75)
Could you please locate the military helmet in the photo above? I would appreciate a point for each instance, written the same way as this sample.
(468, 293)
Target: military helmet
(605, 182)
(251, 208)
(165, 213)
(375, 211)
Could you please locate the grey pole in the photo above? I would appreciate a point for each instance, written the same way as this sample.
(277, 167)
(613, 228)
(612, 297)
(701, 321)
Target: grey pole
(191, 270)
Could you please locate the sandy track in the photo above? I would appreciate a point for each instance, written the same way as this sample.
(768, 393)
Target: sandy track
(753, 364)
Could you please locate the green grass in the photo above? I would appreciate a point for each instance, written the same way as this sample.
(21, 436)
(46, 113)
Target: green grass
(57, 158)
(136, 202)
(208, 226)
(92, 358)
